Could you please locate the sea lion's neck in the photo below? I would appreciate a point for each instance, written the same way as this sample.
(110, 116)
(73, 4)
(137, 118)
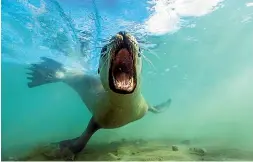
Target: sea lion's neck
(125, 99)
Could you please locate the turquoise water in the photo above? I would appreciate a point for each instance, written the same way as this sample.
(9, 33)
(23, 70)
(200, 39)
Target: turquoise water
(198, 53)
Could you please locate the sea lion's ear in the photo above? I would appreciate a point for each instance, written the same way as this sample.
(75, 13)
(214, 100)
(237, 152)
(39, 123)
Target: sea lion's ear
(98, 70)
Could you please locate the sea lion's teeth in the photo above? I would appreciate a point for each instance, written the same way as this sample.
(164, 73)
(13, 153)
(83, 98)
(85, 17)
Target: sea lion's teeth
(126, 84)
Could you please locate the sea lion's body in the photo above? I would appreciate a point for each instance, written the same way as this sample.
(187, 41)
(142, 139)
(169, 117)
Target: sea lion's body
(113, 97)
(116, 112)
(109, 111)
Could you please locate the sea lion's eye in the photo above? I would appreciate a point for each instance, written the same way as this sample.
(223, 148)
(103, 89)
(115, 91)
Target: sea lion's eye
(104, 49)
(139, 53)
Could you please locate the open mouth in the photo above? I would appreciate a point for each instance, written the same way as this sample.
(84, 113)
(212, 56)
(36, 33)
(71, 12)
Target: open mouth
(122, 78)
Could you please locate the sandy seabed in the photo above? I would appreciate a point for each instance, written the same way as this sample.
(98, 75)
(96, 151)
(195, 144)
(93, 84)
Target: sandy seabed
(141, 150)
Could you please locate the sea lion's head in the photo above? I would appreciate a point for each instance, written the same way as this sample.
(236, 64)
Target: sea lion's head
(120, 64)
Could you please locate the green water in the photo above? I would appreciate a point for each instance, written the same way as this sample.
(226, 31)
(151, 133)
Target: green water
(208, 77)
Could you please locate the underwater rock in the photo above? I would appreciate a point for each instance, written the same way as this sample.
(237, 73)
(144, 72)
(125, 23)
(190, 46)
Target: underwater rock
(160, 159)
(124, 151)
(198, 151)
(174, 148)
(135, 152)
(113, 157)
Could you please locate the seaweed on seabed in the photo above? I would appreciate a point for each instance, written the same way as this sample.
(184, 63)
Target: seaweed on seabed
(34, 154)
(30, 155)
(39, 153)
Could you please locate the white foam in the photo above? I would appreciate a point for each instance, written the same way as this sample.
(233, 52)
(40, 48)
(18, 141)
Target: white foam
(167, 15)
(250, 4)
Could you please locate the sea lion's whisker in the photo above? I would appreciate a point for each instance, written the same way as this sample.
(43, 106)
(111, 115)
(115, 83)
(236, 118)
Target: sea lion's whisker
(141, 41)
(149, 62)
(150, 51)
(107, 57)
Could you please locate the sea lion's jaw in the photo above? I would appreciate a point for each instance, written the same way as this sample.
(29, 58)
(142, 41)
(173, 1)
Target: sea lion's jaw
(122, 72)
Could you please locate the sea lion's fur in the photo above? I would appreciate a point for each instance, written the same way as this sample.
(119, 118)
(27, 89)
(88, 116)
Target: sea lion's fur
(108, 109)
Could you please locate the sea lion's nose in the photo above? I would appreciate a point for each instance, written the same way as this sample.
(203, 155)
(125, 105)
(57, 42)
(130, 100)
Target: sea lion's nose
(124, 36)
(119, 37)
(123, 33)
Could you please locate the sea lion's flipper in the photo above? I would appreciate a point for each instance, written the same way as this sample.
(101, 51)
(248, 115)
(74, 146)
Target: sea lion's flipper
(68, 149)
(44, 72)
(161, 107)
(51, 71)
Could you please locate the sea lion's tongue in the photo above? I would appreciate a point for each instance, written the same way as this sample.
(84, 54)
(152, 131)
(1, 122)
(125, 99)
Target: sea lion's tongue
(123, 69)
(123, 57)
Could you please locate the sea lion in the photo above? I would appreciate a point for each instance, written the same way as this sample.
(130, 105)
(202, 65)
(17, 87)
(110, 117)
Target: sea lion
(113, 96)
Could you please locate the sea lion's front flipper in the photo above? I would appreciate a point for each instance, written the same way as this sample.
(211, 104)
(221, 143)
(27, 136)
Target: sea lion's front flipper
(161, 107)
(45, 72)
(51, 71)
(68, 149)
